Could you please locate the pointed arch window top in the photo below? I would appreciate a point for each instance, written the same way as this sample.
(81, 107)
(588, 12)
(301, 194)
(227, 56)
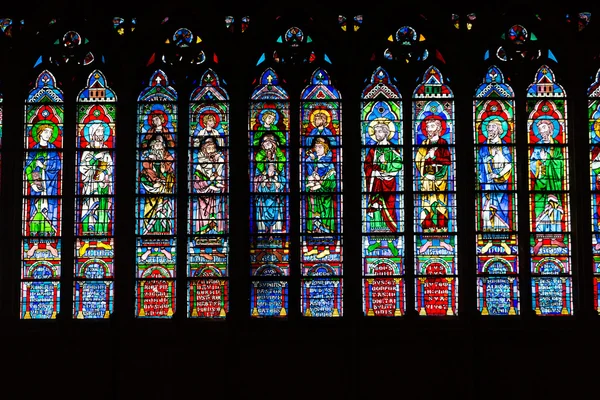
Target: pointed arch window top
(493, 85)
(545, 85)
(268, 88)
(594, 89)
(210, 88)
(45, 90)
(96, 89)
(381, 86)
(433, 85)
(320, 87)
(159, 89)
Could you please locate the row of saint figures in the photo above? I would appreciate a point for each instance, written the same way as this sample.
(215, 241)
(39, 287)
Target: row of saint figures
(433, 157)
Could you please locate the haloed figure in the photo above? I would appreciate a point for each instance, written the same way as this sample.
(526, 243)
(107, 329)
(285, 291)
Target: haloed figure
(433, 161)
(42, 171)
(382, 165)
(96, 169)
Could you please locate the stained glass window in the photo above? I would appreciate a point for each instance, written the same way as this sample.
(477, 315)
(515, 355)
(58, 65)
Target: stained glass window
(156, 203)
(41, 251)
(549, 203)
(269, 126)
(594, 142)
(93, 294)
(321, 198)
(496, 197)
(208, 204)
(382, 198)
(436, 285)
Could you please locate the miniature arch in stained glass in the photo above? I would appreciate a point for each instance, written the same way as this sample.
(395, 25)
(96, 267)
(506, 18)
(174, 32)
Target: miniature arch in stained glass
(496, 197)
(549, 197)
(93, 295)
(382, 209)
(434, 177)
(208, 203)
(156, 205)
(41, 255)
(269, 154)
(321, 198)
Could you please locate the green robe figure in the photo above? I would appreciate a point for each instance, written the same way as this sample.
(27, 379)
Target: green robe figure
(320, 182)
(547, 170)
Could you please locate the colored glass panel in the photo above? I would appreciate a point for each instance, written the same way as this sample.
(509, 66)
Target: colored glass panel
(156, 210)
(594, 148)
(208, 202)
(93, 295)
(268, 135)
(434, 172)
(382, 198)
(496, 198)
(321, 198)
(41, 252)
(549, 198)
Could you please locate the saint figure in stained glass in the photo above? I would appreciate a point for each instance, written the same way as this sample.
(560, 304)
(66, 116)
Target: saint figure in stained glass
(42, 170)
(320, 178)
(432, 160)
(382, 165)
(96, 168)
(494, 175)
(209, 179)
(270, 180)
(157, 177)
(547, 171)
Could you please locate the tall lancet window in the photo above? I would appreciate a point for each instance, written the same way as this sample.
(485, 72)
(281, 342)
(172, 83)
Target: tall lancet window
(268, 134)
(382, 198)
(594, 143)
(436, 285)
(496, 197)
(549, 203)
(156, 204)
(41, 252)
(93, 295)
(321, 198)
(208, 204)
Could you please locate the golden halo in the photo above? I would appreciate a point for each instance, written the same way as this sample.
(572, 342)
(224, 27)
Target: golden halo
(378, 121)
(320, 110)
